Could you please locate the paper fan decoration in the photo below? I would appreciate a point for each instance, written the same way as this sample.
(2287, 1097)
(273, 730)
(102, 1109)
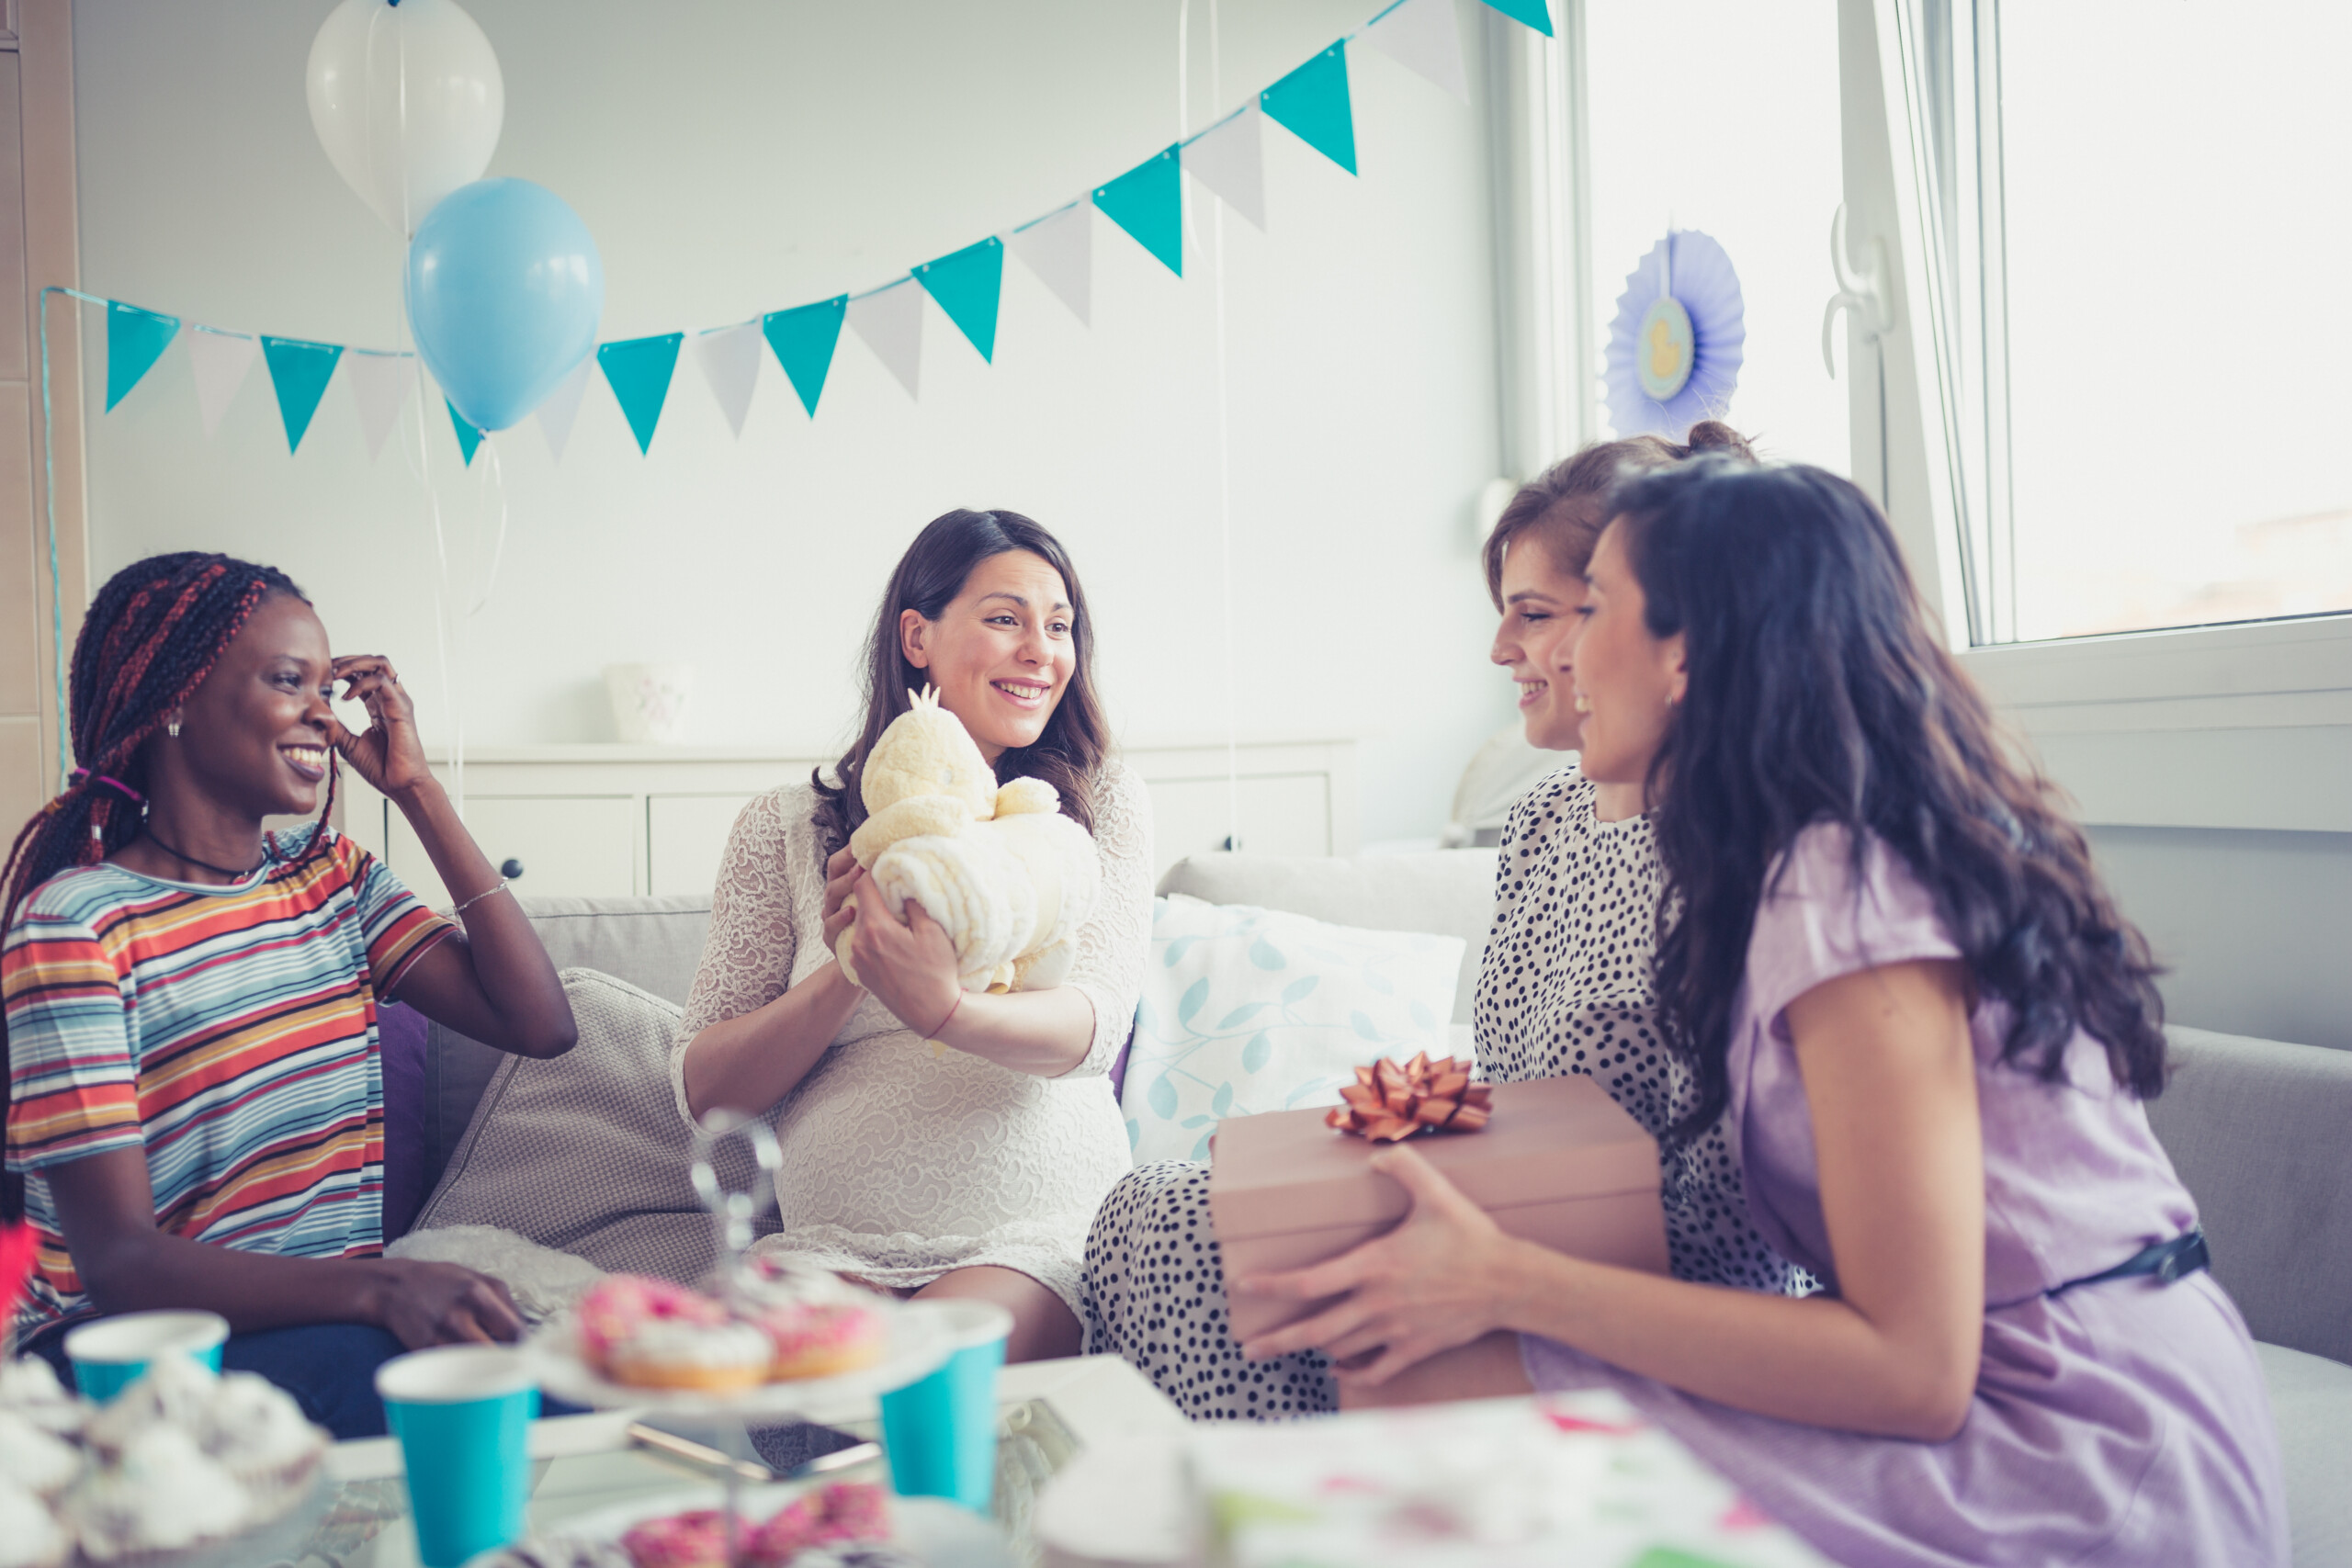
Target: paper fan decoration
(1674, 349)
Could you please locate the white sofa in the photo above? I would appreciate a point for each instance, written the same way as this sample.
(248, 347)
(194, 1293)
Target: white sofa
(2255, 1126)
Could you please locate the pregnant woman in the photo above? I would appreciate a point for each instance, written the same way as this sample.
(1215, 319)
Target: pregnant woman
(1565, 986)
(972, 1171)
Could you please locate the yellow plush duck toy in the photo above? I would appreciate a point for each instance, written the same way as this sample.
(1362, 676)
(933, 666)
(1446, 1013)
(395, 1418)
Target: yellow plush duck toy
(1008, 877)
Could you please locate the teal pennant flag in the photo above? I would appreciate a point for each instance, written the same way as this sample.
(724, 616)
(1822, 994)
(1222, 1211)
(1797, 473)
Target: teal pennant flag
(1312, 103)
(966, 285)
(638, 372)
(803, 339)
(1148, 201)
(1536, 14)
(135, 340)
(299, 371)
(468, 437)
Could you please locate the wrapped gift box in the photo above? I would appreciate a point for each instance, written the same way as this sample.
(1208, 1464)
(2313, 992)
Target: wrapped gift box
(1559, 1164)
(1541, 1483)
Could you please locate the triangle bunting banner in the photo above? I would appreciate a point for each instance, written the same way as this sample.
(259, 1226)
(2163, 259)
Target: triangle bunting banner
(890, 321)
(637, 370)
(968, 284)
(379, 384)
(301, 371)
(135, 340)
(1059, 248)
(218, 361)
(1227, 159)
(468, 438)
(562, 407)
(803, 341)
(1311, 103)
(1148, 201)
(729, 357)
(1536, 14)
(1425, 37)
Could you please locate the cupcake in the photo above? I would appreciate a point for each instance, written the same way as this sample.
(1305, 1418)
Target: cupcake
(41, 1464)
(259, 1435)
(161, 1494)
(651, 1334)
(28, 1386)
(30, 1536)
(174, 1391)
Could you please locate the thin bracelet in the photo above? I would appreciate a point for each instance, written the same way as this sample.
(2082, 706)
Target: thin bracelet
(500, 888)
(943, 1022)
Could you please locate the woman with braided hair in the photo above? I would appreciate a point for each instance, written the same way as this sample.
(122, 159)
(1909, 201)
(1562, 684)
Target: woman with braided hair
(196, 1098)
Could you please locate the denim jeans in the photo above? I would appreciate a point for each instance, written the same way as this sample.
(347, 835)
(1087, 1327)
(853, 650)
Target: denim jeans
(329, 1368)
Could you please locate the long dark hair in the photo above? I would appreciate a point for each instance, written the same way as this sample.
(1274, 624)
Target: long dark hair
(1067, 755)
(149, 637)
(1565, 508)
(1818, 693)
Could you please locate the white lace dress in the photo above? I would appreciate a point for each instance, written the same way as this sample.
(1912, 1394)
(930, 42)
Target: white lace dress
(900, 1166)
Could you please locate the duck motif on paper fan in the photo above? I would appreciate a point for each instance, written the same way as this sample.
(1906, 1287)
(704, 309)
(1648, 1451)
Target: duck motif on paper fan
(1008, 877)
(1676, 344)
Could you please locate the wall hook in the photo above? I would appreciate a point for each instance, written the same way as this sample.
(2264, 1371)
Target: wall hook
(1861, 290)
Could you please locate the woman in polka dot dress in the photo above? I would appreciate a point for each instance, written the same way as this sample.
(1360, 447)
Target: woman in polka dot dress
(1566, 987)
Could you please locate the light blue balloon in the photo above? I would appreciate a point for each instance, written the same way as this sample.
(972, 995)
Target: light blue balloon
(504, 291)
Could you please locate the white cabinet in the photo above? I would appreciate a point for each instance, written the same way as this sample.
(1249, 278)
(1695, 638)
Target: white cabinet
(685, 835)
(569, 846)
(610, 821)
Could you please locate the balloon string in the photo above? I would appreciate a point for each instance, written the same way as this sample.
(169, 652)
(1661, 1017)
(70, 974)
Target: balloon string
(420, 469)
(493, 475)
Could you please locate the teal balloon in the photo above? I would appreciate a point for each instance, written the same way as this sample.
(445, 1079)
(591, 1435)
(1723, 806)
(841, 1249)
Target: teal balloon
(1311, 103)
(505, 290)
(135, 340)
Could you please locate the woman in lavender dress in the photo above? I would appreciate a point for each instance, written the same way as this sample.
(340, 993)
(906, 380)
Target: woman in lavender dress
(1895, 969)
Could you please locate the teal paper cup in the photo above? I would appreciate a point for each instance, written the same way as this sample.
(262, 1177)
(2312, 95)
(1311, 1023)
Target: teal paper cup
(940, 1432)
(109, 1355)
(462, 1414)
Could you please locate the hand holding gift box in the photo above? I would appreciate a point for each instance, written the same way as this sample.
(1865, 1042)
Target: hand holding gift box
(1558, 1162)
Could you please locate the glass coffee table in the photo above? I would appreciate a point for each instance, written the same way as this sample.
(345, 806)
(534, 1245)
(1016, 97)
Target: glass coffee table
(588, 1464)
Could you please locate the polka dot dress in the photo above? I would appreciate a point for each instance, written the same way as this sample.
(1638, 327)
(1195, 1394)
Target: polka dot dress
(1566, 987)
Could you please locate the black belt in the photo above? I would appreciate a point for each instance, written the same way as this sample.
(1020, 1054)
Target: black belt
(2169, 1261)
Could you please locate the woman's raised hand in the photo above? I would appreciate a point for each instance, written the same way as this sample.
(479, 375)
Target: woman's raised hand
(388, 754)
(908, 964)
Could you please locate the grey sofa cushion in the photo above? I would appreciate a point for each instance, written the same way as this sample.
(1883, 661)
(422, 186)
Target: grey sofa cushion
(2255, 1129)
(1450, 892)
(586, 1152)
(2313, 1399)
(652, 944)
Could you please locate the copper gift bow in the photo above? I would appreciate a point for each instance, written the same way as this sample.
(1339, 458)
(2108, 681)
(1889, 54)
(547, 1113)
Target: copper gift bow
(1390, 1100)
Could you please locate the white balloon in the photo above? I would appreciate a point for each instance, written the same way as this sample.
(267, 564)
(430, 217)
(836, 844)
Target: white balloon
(407, 100)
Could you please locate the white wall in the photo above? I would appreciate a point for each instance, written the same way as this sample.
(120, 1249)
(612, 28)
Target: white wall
(742, 157)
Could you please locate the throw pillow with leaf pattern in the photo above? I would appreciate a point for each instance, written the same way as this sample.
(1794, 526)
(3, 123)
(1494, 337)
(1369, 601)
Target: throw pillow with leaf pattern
(1247, 1009)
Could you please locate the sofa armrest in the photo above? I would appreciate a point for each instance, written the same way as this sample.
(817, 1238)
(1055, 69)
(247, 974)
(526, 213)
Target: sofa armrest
(2257, 1131)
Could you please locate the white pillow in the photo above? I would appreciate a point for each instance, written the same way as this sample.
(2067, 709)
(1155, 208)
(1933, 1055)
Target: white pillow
(1248, 1010)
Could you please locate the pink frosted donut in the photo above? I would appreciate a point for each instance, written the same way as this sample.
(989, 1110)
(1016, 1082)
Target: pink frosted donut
(821, 1340)
(843, 1512)
(652, 1333)
(698, 1540)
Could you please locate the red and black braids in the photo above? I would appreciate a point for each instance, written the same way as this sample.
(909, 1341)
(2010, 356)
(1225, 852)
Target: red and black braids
(151, 637)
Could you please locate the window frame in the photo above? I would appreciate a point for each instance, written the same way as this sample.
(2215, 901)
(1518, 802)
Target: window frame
(2241, 725)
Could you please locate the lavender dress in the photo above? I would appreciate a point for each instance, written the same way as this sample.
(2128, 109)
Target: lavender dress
(2122, 1422)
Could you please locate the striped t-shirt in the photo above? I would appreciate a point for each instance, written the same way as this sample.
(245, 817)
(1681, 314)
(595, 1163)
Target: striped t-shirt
(229, 1031)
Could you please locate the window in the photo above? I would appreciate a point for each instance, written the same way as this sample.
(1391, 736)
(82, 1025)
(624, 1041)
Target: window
(2139, 309)
(1723, 116)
